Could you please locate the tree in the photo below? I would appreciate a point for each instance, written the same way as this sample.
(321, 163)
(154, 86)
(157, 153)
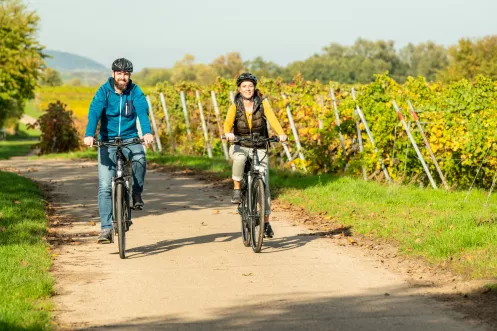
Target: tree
(229, 65)
(50, 77)
(351, 64)
(152, 76)
(21, 57)
(424, 59)
(262, 68)
(184, 70)
(470, 58)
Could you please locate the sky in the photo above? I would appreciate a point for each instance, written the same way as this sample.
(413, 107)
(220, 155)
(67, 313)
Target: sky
(157, 33)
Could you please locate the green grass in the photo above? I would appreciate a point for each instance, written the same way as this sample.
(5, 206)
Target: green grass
(31, 109)
(436, 225)
(90, 154)
(24, 131)
(25, 282)
(9, 148)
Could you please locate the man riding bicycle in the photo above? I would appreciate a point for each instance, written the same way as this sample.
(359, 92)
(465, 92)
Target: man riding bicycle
(117, 104)
(250, 114)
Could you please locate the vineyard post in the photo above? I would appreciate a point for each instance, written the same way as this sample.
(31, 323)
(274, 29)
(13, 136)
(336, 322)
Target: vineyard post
(427, 143)
(414, 145)
(204, 127)
(166, 117)
(294, 129)
(185, 113)
(139, 128)
(218, 119)
(152, 116)
(370, 135)
(337, 120)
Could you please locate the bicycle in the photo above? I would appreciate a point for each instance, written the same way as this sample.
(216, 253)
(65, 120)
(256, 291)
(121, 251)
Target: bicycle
(253, 195)
(122, 190)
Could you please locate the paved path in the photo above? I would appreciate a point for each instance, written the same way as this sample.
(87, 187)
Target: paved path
(188, 270)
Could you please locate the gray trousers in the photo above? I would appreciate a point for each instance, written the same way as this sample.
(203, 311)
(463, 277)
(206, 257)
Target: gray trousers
(239, 155)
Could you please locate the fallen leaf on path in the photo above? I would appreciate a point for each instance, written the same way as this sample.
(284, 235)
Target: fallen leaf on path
(387, 294)
(212, 197)
(249, 274)
(92, 223)
(486, 290)
(203, 224)
(352, 241)
(215, 212)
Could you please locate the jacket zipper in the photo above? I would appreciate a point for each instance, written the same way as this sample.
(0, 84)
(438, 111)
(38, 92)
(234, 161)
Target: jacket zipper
(120, 112)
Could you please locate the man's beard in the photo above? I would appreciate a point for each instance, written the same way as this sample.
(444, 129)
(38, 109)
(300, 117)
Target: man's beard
(121, 85)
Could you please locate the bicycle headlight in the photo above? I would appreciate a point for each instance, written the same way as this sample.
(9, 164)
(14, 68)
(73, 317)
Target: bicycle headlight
(258, 168)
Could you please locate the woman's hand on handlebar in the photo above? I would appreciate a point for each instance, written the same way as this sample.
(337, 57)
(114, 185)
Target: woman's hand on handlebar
(229, 136)
(283, 137)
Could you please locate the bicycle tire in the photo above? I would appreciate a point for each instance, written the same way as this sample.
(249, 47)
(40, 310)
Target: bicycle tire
(257, 213)
(120, 219)
(242, 210)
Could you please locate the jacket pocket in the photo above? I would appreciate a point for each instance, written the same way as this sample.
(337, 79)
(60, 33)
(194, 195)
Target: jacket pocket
(129, 109)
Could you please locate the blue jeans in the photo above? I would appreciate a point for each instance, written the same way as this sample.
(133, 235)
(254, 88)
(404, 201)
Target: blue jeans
(107, 169)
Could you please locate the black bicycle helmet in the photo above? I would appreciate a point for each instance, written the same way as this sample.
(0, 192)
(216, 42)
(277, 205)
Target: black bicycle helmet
(246, 76)
(122, 64)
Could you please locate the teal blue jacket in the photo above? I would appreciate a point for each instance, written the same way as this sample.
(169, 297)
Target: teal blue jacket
(118, 112)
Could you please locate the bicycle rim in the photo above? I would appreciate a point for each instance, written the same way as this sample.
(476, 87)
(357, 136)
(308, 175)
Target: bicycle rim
(257, 219)
(121, 219)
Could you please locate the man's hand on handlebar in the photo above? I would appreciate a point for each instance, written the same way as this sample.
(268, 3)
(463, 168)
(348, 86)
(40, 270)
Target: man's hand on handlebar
(89, 141)
(148, 138)
(229, 136)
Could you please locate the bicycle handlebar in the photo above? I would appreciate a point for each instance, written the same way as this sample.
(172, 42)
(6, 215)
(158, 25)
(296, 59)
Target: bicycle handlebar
(118, 142)
(253, 140)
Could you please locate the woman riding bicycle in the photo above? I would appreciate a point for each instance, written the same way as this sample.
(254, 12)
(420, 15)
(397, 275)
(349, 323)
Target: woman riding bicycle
(250, 114)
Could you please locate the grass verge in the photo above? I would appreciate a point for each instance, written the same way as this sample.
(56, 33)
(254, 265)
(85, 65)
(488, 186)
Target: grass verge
(25, 282)
(9, 148)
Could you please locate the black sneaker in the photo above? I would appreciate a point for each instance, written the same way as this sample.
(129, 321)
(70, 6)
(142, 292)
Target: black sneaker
(236, 198)
(137, 201)
(268, 231)
(105, 236)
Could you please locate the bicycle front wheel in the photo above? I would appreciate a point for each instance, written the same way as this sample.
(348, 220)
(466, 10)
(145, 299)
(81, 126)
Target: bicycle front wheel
(257, 215)
(121, 216)
(242, 210)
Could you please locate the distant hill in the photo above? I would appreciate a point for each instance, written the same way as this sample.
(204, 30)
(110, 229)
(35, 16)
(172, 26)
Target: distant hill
(63, 62)
(75, 67)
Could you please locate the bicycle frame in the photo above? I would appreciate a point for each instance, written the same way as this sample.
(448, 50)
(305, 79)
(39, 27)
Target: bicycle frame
(124, 172)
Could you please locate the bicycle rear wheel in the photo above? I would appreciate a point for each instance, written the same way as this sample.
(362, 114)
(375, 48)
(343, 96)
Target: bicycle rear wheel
(121, 216)
(257, 215)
